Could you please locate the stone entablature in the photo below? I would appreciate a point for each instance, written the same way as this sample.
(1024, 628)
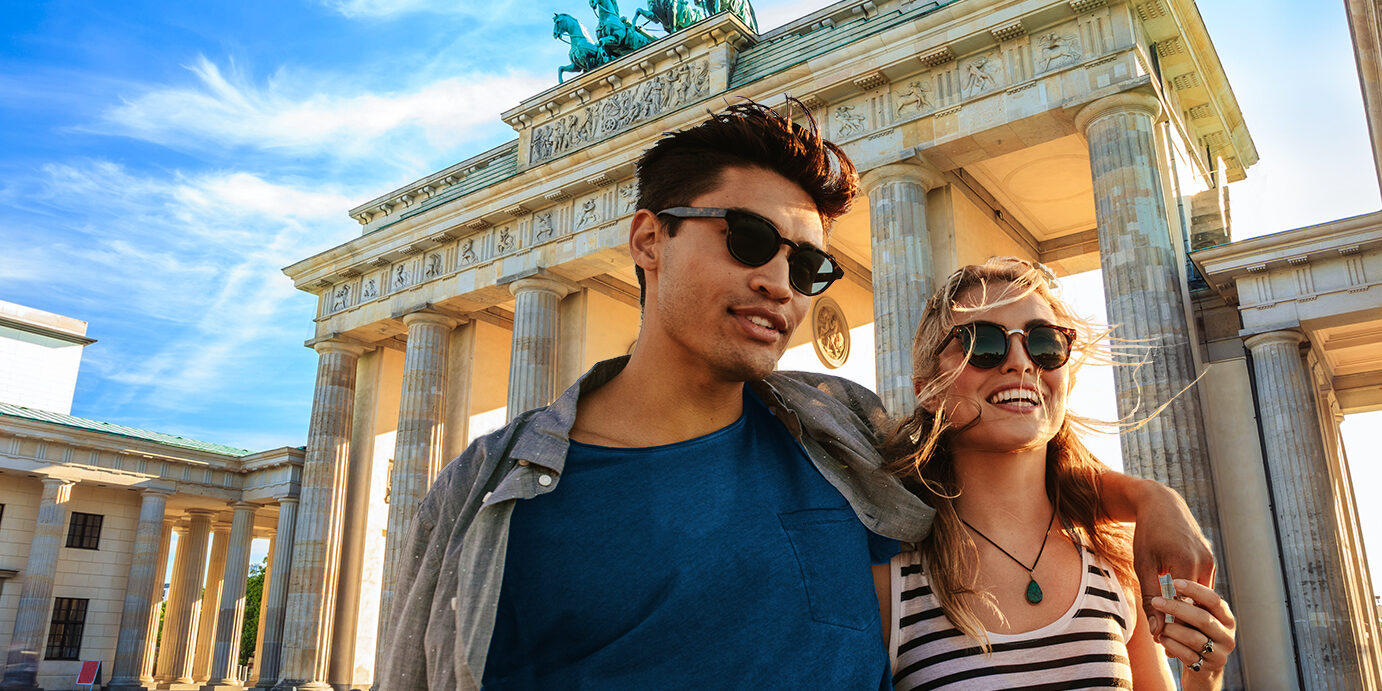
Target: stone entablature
(48, 450)
(1274, 278)
(956, 83)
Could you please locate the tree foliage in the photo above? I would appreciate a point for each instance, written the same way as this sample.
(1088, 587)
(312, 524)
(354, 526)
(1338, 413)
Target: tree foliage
(254, 592)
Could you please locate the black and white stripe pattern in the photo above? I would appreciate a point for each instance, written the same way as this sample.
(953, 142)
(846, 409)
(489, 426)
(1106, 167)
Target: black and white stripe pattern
(1086, 648)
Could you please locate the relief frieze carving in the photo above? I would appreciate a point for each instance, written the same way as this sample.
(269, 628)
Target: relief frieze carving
(342, 300)
(434, 268)
(400, 277)
(619, 111)
(849, 121)
(590, 214)
(916, 96)
(1058, 50)
(542, 226)
(468, 251)
(371, 290)
(628, 196)
(506, 240)
(980, 74)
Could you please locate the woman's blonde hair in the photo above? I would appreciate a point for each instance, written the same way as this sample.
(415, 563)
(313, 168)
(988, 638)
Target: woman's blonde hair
(920, 445)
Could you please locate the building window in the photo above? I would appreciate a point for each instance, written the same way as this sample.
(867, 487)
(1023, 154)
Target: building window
(84, 532)
(65, 633)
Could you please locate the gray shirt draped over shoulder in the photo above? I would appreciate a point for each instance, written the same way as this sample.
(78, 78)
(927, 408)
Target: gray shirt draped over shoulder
(450, 573)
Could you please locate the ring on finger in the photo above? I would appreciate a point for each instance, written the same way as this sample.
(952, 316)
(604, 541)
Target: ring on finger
(1197, 664)
(1207, 648)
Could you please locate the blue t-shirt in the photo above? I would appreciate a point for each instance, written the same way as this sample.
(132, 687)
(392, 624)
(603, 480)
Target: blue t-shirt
(725, 561)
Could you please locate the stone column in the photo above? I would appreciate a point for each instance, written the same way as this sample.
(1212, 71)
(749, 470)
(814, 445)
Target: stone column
(146, 668)
(1304, 501)
(180, 621)
(142, 589)
(317, 552)
(418, 449)
(257, 662)
(226, 654)
(164, 669)
(902, 268)
(36, 598)
(533, 364)
(1141, 268)
(210, 601)
(270, 653)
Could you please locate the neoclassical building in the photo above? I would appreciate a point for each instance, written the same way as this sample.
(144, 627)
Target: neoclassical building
(88, 511)
(1081, 133)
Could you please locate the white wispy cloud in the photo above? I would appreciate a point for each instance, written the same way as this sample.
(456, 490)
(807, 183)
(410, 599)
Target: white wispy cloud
(325, 115)
(195, 258)
(388, 8)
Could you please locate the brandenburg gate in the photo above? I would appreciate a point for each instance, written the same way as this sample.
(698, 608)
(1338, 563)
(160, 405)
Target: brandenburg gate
(1073, 132)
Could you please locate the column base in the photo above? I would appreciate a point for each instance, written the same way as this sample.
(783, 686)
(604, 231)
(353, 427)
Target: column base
(294, 685)
(231, 686)
(131, 686)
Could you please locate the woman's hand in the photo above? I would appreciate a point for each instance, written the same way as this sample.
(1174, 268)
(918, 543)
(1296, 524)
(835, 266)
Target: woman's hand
(1201, 636)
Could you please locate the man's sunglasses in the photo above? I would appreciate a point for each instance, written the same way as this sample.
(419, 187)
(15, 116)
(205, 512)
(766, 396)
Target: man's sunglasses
(1047, 345)
(753, 240)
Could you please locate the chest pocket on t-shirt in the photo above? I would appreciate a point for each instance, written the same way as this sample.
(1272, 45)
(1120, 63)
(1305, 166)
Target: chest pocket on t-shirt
(831, 548)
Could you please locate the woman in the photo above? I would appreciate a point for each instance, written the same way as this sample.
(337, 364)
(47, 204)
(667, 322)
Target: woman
(1022, 582)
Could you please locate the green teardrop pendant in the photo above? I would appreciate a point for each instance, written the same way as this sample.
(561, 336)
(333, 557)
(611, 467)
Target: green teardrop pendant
(1033, 592)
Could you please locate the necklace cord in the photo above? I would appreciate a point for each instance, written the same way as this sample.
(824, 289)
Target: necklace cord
(1009, 555)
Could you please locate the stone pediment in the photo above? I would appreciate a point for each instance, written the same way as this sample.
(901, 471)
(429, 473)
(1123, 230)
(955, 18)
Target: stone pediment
(662, 77)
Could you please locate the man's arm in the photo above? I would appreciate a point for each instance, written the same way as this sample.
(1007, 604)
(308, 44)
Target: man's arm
(1166, 538)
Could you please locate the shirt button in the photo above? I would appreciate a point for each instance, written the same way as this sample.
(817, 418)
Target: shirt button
(544, 480)
(487, 496)
(523, 461)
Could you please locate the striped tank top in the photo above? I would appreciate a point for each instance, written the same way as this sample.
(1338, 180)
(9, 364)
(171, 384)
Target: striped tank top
(1086, 648)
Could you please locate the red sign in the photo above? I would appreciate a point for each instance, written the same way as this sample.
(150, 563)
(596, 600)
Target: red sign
(88, 674)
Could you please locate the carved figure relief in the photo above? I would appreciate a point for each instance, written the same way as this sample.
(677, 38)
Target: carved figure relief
(830, 332)
(850, 121)
(590, 214)
(543, 225)
(342, 300)
(1057, 50)
(620, 110)
(916, 96)
(433, 266)
(506, 242)
(468, 251)
(400, 276)
(371, 290)
(979, 75)
(629, 196)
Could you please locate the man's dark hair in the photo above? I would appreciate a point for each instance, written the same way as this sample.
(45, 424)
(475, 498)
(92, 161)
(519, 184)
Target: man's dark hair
(686, 164)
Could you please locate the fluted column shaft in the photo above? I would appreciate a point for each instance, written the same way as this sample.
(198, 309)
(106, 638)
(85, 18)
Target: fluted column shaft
(140, 589)
(164, 671)
(1141, 269)
(226, 653)
(902, 267)
(257, 665)
(270, 653)
(36, 598)
(312, 588)
(418, 449)
(209, 603)
(180, 623)
(146, 667)
(533, 364)
(1304, 508)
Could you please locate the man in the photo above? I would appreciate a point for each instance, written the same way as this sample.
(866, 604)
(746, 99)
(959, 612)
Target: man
(706, 533)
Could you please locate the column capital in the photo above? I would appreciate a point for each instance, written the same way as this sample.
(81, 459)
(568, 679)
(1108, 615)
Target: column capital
(50, 481)
(541, 283)
(286, 500)
(155, 490)
(1286, 336)
(244, 506)
(1123, 102)
(195, 514)
(336, 345)
(425, 317)
(913, 170)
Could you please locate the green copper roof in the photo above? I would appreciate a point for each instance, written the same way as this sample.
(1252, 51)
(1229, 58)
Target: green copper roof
(18, 411)
(795, 48)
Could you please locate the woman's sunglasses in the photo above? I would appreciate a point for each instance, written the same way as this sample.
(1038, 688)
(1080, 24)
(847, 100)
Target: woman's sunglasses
(753, 240)
(1047, 345)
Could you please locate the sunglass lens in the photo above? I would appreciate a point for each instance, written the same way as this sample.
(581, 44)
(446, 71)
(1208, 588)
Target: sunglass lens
(990, 345)
(811, 271)
(1048, 346)
(750, 240)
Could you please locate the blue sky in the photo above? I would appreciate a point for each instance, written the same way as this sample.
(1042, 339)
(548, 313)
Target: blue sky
(160, 163)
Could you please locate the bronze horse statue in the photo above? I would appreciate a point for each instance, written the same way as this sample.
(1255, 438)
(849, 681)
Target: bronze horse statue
(585, 54)
(671, 15)
(616, 34)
